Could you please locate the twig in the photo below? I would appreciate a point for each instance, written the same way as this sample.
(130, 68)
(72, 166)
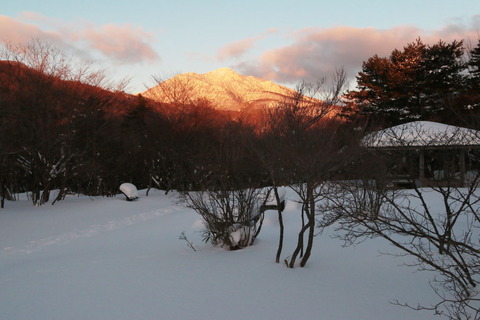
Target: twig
(189, 243)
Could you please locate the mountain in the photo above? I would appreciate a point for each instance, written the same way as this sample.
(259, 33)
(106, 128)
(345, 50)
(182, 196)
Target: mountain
(223, 89)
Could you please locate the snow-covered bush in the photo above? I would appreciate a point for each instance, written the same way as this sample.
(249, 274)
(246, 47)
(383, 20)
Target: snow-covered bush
(129, 190)
(232, 218)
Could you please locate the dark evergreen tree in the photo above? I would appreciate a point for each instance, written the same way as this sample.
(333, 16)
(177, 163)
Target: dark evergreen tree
(474, 67)
(470, 103)
(443, 79)
(419, 82)
(405, 91)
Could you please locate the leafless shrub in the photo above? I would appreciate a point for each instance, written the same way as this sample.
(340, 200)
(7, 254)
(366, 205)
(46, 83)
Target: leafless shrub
(232, 217)
(439, 227)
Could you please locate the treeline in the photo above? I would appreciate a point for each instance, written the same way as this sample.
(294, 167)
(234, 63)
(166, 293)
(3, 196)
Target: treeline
(80, 138)
(65, 129)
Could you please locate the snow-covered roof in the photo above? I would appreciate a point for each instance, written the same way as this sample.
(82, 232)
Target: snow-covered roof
(422, 134)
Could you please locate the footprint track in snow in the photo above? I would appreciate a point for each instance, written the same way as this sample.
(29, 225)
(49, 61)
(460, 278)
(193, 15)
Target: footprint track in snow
(64, 238)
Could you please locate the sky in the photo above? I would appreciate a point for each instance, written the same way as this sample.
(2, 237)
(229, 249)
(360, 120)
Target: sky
(283, 41)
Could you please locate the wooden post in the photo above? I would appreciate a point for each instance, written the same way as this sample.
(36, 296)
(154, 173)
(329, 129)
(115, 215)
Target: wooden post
(421, 168)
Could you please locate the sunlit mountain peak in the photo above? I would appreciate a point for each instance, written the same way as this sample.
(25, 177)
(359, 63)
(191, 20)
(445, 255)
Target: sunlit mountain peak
(224, 88)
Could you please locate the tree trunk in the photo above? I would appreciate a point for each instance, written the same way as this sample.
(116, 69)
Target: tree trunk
(311, 224)
(280, 222)
(299, 247)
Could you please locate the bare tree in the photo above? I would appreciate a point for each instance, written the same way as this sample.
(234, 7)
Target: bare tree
(48, 60)
(438, 227)
(301, 147)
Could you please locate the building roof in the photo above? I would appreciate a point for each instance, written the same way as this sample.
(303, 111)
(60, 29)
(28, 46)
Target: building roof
(422, 134)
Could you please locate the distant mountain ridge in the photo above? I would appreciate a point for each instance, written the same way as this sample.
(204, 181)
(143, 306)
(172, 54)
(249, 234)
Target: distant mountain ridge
(223, 88)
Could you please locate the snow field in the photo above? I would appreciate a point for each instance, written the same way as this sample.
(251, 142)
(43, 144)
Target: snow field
(106, 258)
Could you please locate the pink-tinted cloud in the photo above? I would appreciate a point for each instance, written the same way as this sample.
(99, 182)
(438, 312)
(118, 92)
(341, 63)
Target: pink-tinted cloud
(317, 52)
(120, 44)
(239, 48)
(236, 49)
(15, 31)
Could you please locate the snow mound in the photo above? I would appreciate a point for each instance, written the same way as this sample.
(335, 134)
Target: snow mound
(129, 190)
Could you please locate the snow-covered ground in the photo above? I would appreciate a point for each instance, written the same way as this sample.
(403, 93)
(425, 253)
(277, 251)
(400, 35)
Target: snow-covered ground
(106, 258)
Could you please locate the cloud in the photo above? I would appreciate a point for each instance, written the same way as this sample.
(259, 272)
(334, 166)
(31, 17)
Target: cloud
(15, 31)
(317, 52)
(125, 43)
(238, 48)
(459, 31)
(120, 44)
